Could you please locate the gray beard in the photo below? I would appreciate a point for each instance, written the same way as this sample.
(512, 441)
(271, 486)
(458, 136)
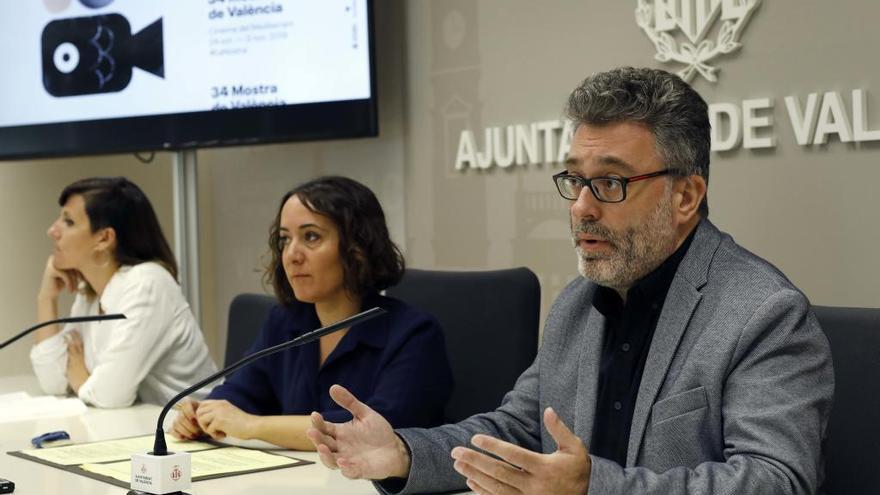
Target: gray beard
(634, 252)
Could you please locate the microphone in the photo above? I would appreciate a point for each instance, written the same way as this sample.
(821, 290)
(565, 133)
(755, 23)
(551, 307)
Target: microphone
(6, 485)
(70, 319)
(161, 472)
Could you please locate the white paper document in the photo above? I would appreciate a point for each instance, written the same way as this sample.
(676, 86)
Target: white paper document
(20, 406)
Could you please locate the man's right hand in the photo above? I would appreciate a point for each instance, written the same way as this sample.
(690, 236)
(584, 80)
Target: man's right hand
(365, 447)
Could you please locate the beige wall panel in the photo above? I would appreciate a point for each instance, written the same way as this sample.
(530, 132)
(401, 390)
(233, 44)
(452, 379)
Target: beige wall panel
(28, 204)
(810, 210)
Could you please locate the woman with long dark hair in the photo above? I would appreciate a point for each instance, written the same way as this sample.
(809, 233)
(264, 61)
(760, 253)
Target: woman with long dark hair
(331, 255)
(109, 249)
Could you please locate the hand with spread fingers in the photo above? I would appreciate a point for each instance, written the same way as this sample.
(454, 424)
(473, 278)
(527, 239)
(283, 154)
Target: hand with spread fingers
(518, 470)
(219, 419)
(365, 447)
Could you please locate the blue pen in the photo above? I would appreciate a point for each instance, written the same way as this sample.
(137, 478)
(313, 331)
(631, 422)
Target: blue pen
(53, 436)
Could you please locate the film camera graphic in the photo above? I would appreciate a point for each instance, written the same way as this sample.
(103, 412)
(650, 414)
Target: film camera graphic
(92, 55)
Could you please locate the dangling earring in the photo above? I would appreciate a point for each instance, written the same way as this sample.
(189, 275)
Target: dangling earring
(106, 257)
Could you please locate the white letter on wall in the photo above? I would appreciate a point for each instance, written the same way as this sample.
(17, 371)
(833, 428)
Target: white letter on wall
(803, 123)
(832, 119)
(716, 110)
(547, 127)
(503, 158)
(751, 122)
(465, 150)
(860, 118)
(484, 159)
(564, 141)
(527, 144)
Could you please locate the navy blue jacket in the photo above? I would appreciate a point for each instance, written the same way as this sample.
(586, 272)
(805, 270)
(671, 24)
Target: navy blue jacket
(395, 363)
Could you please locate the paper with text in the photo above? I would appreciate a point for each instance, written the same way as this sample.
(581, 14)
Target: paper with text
(220, 461)
(110, 450)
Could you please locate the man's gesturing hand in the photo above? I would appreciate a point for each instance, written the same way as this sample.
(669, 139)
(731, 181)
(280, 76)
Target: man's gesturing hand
(522, 471)
(365, 447)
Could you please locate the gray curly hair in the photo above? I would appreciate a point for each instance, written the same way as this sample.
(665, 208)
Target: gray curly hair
(675, 113)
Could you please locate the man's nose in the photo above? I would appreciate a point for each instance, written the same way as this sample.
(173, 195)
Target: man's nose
(586, 206)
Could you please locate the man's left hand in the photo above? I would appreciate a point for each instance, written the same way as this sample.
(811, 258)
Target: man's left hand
(522, 471)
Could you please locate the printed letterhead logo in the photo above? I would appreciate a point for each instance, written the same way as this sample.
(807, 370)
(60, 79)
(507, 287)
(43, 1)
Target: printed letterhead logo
(694, 19)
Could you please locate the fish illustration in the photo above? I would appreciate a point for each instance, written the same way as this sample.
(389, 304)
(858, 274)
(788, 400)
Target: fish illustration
(89, 55)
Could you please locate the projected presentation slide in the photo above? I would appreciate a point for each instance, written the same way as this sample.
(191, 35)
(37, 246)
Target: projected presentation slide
(77, 60)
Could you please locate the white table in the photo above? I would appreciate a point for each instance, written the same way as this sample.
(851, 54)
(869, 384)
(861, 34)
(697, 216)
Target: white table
(105, 424)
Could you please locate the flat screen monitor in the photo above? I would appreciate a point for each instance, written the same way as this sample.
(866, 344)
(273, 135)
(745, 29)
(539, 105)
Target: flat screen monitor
(107, 76)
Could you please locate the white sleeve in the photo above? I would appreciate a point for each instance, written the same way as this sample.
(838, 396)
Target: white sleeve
(135, 345)
(49, 360)
(49, 357)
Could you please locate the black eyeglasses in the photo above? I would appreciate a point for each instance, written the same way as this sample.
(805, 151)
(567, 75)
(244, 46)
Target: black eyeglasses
(605, 189)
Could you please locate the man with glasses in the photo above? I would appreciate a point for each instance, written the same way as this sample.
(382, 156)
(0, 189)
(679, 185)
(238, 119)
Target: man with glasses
(678, 363)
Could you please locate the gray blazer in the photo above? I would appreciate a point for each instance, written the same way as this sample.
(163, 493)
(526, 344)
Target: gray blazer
(734, 399)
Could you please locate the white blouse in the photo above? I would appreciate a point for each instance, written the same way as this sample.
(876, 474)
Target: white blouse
(153, 354)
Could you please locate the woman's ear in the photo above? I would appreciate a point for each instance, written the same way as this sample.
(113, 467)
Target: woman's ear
(359, 255)
(106, 239)
(360, 267)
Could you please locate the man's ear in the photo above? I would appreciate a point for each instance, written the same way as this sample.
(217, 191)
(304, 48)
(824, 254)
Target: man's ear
(689, 194)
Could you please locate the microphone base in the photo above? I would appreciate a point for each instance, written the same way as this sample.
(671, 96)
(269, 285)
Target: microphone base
(161, 474)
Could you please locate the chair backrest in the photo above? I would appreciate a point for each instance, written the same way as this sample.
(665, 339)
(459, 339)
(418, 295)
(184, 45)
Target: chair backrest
(490, 319)
(247, 312)
(853, 441)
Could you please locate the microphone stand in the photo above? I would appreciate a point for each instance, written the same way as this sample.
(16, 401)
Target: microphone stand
(70, 319)
(159, 462)
(6, 485)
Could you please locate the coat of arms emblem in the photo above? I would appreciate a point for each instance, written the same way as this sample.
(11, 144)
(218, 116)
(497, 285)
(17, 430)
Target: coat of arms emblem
(695, 19)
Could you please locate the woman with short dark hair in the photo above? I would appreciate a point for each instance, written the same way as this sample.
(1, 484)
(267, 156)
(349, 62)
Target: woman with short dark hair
(110, 251)
(331, 254)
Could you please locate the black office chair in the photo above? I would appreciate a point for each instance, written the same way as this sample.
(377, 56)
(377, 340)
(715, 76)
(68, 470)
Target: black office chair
(247, 312)
(490, 319)
(853, 442)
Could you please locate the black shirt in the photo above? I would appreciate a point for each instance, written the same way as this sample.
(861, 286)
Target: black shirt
(629, 329)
